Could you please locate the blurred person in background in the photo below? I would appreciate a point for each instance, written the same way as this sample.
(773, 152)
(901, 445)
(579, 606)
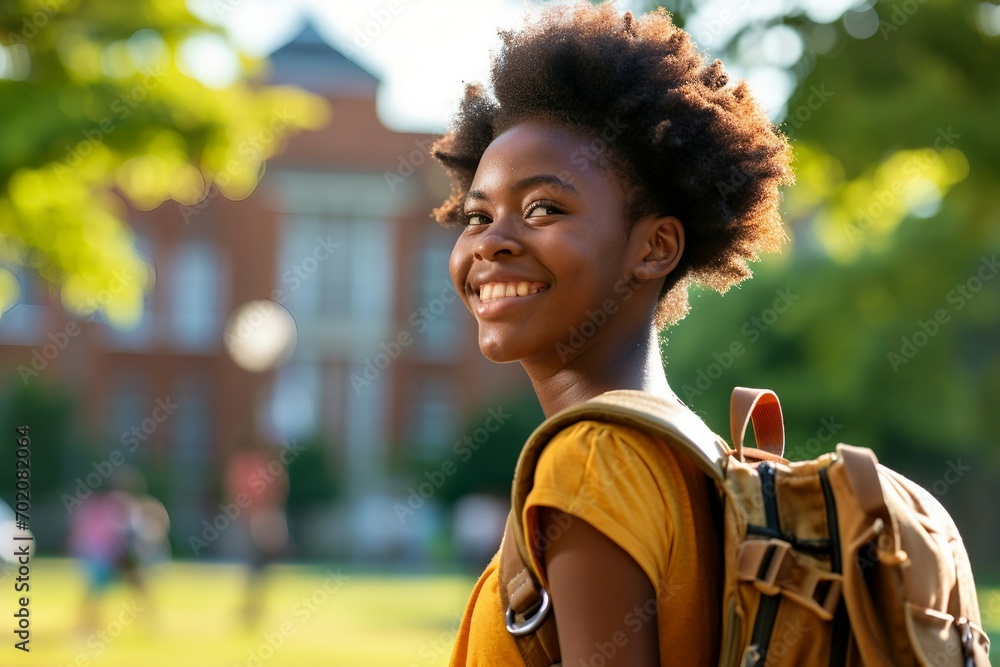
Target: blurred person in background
(257, 483)
(479, 520)
(117, 533)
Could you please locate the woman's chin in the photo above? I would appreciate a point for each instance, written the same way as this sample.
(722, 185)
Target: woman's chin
(496, 353)
(499, 348)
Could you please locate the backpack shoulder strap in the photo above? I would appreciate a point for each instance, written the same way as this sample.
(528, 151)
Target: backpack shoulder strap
(524, 601)
(666, 419)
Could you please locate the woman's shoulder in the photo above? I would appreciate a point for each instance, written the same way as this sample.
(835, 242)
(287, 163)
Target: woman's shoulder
(601, 443)
(626, 483)
(610, 468)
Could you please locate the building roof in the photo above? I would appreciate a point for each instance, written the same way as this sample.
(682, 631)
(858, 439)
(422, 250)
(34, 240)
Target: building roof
(309, 61)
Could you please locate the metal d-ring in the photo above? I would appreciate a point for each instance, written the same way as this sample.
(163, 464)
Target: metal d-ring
(531, 624)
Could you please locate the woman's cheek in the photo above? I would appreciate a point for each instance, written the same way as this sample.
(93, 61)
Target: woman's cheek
(458, 269)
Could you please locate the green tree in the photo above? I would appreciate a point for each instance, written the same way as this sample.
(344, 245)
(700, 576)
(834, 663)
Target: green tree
(97, 107)
(891, 334)
(474, 466)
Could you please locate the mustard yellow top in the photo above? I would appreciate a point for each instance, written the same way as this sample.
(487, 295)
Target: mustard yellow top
(654, 504)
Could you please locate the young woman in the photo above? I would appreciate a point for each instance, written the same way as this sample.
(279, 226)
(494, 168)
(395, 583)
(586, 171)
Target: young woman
(609, 167)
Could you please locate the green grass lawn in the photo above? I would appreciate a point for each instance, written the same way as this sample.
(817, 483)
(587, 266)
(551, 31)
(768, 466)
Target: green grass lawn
(311, 616)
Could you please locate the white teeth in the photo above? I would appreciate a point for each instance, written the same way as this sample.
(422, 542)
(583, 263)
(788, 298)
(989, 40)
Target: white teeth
(492, 291)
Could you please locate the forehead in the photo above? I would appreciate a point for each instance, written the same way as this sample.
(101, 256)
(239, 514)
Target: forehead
(535, 147)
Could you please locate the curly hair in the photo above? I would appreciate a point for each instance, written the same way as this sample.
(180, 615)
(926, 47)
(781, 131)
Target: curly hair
(693, 146)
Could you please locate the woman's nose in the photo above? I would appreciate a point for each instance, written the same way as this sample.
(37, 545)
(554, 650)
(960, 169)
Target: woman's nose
(499, 238)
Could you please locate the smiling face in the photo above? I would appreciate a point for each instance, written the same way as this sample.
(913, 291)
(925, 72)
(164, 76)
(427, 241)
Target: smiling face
(546, 249)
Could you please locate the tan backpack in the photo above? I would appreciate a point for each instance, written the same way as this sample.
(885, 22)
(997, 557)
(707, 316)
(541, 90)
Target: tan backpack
(832, 561)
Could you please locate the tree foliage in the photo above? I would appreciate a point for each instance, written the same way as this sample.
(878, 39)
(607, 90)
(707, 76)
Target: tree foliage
(891, 337)
(98, 106)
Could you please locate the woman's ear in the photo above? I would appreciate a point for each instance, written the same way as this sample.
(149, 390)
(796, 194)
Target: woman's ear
(659, 243)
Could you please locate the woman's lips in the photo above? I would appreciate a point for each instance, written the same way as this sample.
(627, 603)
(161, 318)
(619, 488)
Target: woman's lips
(495, 299)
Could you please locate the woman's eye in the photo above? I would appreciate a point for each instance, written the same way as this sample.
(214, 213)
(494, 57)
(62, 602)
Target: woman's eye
(541, 209)
(476, 219)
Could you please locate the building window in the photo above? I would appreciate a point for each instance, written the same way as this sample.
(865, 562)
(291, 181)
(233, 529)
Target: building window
(139, 336)
(337, 262)
(189, 440)
(195, 297)
(294, 406)
(129, 422)
(326, 266)
(433, 416)
(438, 306)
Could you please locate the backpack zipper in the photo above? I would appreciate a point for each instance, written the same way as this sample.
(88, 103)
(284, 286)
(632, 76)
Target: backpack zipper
(818, 547)
(841, 625)
(767, 611)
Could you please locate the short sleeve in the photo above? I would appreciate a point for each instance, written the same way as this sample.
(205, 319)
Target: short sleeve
(619, 480)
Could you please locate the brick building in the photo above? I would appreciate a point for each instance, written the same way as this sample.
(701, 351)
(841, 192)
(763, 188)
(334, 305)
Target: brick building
(338, 232)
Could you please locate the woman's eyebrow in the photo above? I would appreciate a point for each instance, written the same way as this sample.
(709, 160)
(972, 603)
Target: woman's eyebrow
(528, 182)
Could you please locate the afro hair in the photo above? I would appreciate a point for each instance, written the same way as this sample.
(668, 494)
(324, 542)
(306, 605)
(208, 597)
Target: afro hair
(694, 145)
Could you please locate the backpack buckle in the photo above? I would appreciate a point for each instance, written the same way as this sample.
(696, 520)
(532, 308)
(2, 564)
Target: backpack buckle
(761, 561)
(533, 618)
(773, 567)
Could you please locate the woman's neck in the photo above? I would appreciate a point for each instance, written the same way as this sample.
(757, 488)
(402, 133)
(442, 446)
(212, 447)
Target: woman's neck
(635, 365)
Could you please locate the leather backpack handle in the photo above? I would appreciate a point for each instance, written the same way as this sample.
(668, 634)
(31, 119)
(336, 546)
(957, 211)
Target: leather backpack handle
(762, 408)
